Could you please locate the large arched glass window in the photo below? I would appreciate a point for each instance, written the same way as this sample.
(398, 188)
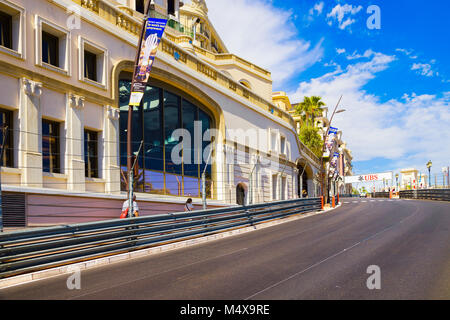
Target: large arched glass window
(163, 111)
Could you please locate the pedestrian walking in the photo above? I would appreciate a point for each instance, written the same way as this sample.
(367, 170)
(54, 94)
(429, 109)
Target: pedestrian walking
(188, 206)
(126, 208)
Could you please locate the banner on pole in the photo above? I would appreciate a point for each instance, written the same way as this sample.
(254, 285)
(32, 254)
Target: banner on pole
(154, 29)
(330, 139)
(369, 177)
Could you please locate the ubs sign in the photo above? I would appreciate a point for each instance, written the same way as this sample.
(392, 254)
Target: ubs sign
(369, 177)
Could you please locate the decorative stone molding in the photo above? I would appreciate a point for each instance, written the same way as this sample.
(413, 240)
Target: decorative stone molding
(112, 113)
(200, 4)
(90, 4)
(32, 88)
(76, 102)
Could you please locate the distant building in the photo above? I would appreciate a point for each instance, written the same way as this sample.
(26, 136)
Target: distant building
(411, 179)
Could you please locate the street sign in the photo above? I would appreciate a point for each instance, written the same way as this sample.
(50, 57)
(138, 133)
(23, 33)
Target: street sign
(369, 177)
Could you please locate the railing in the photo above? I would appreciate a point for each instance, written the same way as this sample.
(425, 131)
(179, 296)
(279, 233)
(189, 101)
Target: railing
(27, 251)
(426, 194)
(380, 194)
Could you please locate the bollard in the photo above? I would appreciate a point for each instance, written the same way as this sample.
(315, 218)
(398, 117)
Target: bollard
(390, 194)
(334, 205)
(321, 198)
(338, 198)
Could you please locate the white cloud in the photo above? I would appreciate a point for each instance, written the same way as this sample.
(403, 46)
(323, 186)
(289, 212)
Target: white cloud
(263, 34)
(367, 54)
(407, 52)
(423, 68)
(339, 12)
(318, 7)
(409, 131)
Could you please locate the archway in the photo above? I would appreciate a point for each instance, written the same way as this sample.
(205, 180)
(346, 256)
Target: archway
(240, 194)
(304, 179)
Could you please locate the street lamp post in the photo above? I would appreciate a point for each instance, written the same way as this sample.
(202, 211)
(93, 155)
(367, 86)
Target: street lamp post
(325, 174)
(429, 164)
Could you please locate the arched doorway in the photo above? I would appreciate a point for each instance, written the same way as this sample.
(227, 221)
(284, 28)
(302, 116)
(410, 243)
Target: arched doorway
(240, 194)
(304, 179)
(302, 182)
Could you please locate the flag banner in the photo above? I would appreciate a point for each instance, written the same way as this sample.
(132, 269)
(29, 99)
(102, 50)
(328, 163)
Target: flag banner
(334, 160)
(330, 139)
(369, 177)
(154, 30)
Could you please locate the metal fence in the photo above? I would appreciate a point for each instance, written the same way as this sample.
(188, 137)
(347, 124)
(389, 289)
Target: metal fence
(426, 194)
(380, 194)
(31, 250)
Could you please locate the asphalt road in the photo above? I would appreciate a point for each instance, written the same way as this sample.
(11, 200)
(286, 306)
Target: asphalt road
(320, 257)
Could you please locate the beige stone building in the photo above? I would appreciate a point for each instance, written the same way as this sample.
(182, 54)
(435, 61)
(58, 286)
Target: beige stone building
(65, 70)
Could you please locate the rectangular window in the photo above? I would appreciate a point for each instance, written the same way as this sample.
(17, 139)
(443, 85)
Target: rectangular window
(93, 61)
(90, 65)
(5, 30)
(283, 145)
(171, 7)
(140, 6)
(91, 154)
(283, 188)
(50, 49)
(50, 147)
(6, 138)
(274, 187)
(273, 141)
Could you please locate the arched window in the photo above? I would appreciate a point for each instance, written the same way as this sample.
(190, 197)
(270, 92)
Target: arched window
(245, 83)
(166, 165)
(227, 74)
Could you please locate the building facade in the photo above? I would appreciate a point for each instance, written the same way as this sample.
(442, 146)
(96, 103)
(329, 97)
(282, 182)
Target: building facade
(65, 70)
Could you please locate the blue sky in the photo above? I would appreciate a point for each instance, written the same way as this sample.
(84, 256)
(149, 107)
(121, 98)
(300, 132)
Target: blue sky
(395, 81)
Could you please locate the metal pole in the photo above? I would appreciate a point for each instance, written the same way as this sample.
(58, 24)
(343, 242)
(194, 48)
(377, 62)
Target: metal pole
(325, 174)
(204, 190)
(5, 132)
(204, 180)
(130, 107)
(131, 185)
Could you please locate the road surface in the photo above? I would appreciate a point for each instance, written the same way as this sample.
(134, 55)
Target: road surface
(325, 256)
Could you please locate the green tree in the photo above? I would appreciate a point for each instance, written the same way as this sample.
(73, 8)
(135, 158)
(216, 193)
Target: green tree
(311, 138)
(309, 109)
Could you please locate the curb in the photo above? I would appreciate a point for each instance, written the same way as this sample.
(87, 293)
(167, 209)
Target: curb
(68, 269)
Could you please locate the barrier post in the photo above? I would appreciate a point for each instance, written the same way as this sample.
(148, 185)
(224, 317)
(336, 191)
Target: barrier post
(321, 198)
(334, 204)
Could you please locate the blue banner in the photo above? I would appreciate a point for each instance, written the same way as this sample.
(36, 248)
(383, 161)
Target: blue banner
(154, 30)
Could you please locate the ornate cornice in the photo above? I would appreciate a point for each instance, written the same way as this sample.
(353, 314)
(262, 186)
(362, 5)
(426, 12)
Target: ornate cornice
(32, 88)
(112, 113)
(75, 101)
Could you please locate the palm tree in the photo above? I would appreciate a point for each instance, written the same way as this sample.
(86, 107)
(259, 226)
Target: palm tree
(309, 109)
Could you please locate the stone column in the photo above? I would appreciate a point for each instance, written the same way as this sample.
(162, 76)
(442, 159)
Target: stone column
(75, 167)
(30, 145)
(111, 167)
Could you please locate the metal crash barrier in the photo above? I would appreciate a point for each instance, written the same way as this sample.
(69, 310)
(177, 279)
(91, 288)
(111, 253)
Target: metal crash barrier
(426, 194)
(38, 249)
